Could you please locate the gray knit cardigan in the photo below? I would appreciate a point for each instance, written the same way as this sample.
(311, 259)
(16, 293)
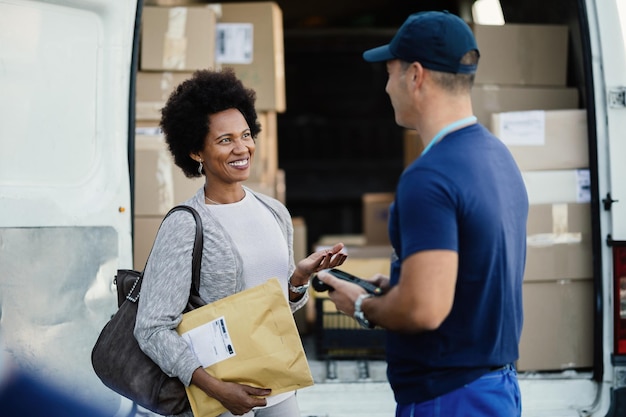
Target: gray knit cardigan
(167, 279)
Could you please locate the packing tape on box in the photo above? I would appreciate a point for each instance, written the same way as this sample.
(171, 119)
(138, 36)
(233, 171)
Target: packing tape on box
(165, 180)
(175, 41)
(166, 85)
(560, 234)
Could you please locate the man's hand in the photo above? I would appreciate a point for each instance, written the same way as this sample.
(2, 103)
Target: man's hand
(343, 294)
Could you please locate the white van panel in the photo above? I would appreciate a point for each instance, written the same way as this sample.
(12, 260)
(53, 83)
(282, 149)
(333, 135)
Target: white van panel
(37, 38)
(65, 215)
(65, 78)
(613, 46)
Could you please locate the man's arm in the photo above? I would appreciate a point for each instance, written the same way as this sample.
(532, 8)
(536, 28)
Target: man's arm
(421, 301)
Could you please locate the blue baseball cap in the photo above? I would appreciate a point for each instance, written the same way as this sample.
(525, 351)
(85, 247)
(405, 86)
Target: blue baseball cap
(437, 40)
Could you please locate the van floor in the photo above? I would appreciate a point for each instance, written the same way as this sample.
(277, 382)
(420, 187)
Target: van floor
(345, 387)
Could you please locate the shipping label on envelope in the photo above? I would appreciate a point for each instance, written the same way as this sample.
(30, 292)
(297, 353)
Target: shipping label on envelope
(210, 342)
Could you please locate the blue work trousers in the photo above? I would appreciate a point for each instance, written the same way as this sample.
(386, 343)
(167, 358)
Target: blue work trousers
(495, 394)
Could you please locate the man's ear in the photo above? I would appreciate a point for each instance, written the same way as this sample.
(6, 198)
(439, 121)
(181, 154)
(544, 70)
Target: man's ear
(417, 72)
(414, 75)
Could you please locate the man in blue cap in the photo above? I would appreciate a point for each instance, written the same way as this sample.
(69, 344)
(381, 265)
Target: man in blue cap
(452, 305)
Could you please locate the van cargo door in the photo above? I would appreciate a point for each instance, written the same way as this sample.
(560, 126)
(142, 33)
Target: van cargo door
(613, 46)
(65, 215)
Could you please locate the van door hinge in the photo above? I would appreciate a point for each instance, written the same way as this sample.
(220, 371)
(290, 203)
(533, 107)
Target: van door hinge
(617, 97)
(608, 201)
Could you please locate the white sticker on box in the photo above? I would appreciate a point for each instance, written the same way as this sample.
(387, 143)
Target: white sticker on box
(523, 128)
(583, 180)
(210, 342)
(234, 43)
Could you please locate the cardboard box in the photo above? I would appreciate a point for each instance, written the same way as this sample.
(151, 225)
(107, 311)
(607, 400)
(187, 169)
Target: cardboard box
(349, 240)
(558, 326)
(355, 246)
(154, 181)
(177, 38)
(159, 183)
(522, 54)
(544, 139)
(300, 251)
(367, 267)
(413, 146)
(153, 90)
(145, 230)
(488, 99)
(256, 57)
(362, 261)
(264, 168)
(559, 242)
(281, 186)
(267, 189)
(376, 216)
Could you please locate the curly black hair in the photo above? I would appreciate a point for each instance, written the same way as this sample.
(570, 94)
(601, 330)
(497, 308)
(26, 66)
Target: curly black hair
(185, 117)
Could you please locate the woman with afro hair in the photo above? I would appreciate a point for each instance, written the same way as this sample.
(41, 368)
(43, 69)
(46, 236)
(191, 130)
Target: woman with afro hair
(210, 125)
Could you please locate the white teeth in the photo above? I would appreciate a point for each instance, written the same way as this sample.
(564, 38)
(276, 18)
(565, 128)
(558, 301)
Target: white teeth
(239, 163)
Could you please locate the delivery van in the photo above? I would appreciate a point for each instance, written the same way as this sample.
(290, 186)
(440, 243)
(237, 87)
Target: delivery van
(551, 84)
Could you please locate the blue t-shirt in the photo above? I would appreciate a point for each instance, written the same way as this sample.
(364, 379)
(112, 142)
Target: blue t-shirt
(467, 195)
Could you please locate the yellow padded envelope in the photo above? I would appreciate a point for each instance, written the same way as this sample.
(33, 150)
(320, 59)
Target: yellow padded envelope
(250, 338)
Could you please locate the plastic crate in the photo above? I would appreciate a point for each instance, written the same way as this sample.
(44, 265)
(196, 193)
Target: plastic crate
(338, 336)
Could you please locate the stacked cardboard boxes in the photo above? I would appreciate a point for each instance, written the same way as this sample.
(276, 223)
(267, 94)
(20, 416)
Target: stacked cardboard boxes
(521, 95)
(375, 217)
(558, 281)
(178, 38)
(521, 67)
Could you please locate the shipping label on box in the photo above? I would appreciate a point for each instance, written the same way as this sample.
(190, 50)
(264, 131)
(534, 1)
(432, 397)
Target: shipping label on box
(235, 43)
(558, 186)
(544, 139)
(250, 40)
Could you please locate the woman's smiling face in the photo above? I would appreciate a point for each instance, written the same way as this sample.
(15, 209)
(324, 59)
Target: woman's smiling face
(229, 148)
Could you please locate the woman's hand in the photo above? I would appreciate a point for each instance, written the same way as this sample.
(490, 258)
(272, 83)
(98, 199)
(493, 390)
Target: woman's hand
(240, 399)
(237, 398)
(322, 259)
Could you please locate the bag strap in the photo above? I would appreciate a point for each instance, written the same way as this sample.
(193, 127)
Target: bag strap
(196, 260)
(196, 256)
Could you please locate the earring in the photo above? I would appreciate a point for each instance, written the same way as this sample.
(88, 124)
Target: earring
(200, 167)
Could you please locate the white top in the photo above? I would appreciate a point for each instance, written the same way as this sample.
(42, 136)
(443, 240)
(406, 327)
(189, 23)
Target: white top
(259, 239)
